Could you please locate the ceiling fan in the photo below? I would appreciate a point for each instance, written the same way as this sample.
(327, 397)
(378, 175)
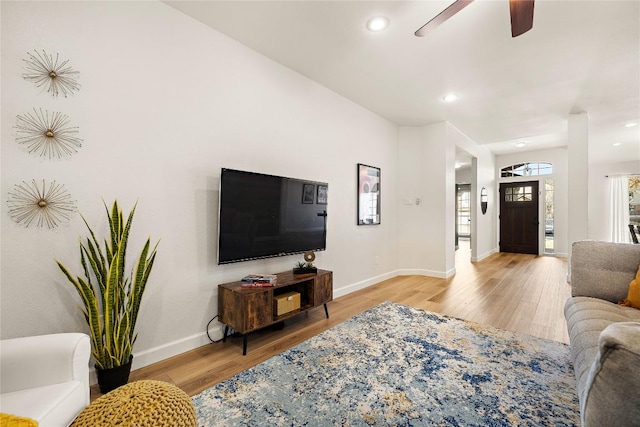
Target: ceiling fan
(521, 16)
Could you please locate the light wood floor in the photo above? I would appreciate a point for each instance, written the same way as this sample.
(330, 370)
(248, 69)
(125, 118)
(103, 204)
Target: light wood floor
(521, 293)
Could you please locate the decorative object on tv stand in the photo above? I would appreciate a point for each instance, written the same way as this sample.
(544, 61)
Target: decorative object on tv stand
(44, 206)
(307, 266)
(53, 75)
(484, 200)
(368, 195)
(47, 134)
(111, 296)
(309, 256)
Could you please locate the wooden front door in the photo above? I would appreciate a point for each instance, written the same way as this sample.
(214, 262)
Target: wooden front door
(519, 217)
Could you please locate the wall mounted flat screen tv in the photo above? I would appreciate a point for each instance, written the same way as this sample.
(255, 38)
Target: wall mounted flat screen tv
(264, 216)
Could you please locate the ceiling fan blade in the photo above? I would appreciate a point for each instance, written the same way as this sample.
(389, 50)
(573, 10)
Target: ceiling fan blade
(521, 16)
(454, 8)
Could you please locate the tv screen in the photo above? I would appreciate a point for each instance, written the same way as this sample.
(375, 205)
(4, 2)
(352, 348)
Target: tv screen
(264, 216)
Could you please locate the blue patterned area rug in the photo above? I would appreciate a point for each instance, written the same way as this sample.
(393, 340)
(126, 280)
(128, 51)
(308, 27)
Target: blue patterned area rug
(401, 366)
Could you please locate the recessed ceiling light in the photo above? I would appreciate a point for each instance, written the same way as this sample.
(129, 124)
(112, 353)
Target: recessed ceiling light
(520, 144)
(450, 97)
(617, 144)
(377, 23)
(631, 124)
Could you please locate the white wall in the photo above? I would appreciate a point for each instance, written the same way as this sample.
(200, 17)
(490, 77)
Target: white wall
(598, 195)
(463, 175)
(557, 157)
(426, 231)
(578, 175)
(483, 226)
(165, 103)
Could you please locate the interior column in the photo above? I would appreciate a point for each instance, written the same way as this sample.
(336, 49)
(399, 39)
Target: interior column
(578, 174)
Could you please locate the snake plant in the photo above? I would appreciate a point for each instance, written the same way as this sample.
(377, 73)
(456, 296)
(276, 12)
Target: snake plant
(111, 297)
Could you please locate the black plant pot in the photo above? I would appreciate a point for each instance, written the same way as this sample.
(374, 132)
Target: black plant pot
(305, 270)
(112, 378)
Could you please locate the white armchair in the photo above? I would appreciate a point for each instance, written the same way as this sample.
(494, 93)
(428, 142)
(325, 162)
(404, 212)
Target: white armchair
(45, 377)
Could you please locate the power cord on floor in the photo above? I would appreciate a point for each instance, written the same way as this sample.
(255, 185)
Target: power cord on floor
(209, 324)
(230, 331)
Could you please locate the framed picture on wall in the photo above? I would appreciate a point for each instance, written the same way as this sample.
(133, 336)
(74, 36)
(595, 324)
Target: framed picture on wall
(321, 197)
(368, 195)
(308, 195)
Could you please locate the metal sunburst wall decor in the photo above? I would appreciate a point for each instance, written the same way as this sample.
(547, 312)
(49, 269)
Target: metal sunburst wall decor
(47, 134)
(53, 75)
(43, 206)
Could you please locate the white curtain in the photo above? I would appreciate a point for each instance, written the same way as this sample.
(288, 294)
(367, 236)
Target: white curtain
(619, 209)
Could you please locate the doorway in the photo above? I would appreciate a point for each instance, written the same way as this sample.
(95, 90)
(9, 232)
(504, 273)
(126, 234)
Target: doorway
(519, 217)
(463, 212)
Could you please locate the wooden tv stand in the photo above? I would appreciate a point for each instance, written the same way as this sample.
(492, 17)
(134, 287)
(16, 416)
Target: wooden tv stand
(249, 309)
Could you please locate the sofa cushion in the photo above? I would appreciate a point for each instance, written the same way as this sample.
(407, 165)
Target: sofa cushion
(49, 405)
(612, 393)
(586, 318)
(603, 269)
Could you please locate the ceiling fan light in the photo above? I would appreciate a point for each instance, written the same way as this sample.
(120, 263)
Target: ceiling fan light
(377, 23)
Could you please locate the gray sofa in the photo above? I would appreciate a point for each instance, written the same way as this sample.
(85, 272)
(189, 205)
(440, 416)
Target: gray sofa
(604, 336)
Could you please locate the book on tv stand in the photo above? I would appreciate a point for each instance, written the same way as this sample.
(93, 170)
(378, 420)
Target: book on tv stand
(259, 281)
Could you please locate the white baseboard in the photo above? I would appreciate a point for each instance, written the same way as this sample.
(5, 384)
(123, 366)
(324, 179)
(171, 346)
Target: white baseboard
(428, 273)
(156, 354)
(174, 348)
(345, 290)
(485, 255)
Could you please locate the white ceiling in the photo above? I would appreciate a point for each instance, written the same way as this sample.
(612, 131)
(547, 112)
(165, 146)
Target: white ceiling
(580, 56)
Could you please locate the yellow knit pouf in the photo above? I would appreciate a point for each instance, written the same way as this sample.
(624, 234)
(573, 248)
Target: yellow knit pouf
(10, 420)
(138, 404)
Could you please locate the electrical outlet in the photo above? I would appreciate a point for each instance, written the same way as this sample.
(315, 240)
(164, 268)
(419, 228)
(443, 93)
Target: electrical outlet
(377, 260)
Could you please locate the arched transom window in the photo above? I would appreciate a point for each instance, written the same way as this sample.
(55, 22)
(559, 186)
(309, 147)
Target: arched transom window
(527, 169)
